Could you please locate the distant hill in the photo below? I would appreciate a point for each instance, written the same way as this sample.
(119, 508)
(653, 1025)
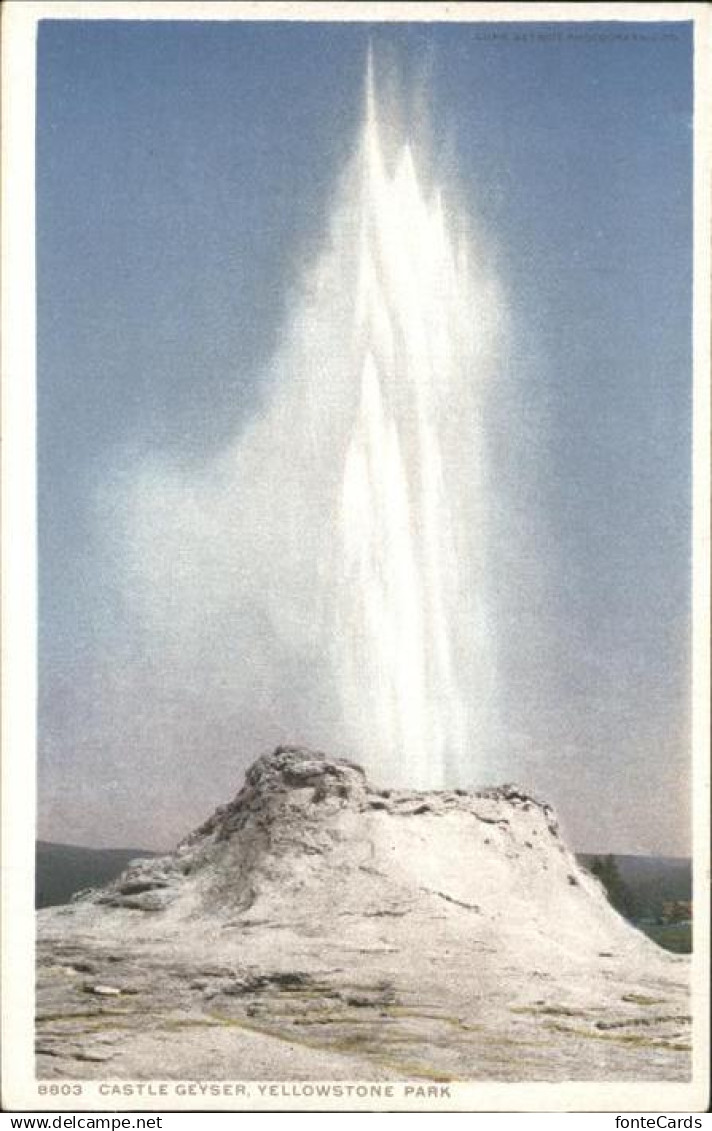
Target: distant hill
(63, 869)
(652, 880)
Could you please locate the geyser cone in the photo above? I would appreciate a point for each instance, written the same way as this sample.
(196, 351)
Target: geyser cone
(309, 839)
(437, 934)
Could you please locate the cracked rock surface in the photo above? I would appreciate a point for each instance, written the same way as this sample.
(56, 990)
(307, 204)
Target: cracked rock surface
(317, 928)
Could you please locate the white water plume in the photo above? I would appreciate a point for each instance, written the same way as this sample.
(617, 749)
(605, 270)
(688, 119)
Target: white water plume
(331, 569)
(410, 576)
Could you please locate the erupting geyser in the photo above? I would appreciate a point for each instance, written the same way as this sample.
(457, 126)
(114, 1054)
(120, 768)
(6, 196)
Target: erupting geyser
(415, 665)
(342, 545)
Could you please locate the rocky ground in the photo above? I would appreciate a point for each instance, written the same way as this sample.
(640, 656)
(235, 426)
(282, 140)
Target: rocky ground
(316, 928)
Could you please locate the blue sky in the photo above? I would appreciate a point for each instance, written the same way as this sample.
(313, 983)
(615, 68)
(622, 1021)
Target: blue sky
(184, 175)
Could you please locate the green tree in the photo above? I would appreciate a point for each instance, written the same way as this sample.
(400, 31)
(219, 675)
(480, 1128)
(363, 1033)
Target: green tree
(606, 869)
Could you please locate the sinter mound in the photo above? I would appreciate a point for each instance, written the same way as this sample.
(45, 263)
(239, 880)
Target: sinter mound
(318, 928)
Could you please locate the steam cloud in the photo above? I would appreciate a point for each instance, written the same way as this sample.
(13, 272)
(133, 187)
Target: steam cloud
(335, 575)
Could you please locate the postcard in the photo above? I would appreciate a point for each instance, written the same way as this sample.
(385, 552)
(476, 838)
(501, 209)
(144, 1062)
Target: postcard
(355, 556)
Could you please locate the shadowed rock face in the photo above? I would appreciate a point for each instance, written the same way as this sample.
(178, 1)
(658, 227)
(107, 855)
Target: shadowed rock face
(360, 925)
(280, 784)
